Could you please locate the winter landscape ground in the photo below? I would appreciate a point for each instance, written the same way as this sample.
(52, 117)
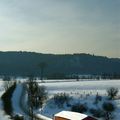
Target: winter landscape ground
(81, 92)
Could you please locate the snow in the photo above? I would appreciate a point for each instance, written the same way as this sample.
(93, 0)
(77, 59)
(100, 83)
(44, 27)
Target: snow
(82, 91)
(71, 115)
(16, 100)
(43, 117)
(81, 86)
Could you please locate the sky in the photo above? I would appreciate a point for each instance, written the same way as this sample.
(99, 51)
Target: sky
(61, 26)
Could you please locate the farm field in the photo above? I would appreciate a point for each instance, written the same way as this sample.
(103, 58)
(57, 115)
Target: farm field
(85, 86)
(79, 90)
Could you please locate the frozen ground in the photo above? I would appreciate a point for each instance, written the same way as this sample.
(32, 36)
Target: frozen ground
(81, 86)
(76, 89)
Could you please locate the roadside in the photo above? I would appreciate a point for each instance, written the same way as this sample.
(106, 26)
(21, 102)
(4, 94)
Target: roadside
(3, 115)
(20, 103)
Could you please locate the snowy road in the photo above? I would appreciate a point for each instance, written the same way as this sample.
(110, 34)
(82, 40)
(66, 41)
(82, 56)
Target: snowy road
(20, 104)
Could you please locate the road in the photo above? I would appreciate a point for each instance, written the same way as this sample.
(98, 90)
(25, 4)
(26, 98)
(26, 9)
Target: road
(23, 105)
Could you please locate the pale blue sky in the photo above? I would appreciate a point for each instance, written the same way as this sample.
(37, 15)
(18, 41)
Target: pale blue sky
(61, 26)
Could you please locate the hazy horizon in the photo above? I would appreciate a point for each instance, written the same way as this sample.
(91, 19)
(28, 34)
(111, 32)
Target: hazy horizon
(61, 53)
(61, 27)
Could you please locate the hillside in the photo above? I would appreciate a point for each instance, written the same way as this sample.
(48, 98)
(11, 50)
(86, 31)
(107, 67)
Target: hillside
(26, 63)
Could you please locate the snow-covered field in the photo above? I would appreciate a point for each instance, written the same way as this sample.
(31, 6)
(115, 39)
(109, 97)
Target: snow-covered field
(81, 86)
(78, 89)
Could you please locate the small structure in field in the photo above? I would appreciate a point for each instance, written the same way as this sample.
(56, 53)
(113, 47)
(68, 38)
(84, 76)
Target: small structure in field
(67, 115)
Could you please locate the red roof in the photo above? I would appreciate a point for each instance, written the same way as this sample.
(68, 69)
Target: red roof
(89, 118)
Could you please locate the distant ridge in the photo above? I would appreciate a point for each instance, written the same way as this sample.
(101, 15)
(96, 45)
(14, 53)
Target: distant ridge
(26, 63)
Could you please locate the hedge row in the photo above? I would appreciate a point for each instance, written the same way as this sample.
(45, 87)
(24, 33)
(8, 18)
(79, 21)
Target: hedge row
(6, 97)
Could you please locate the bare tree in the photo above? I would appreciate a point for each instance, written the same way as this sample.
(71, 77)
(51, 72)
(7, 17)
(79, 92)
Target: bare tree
(112, 92)
(7, 82)
(36, 95)
(30, 95)
(42, 66)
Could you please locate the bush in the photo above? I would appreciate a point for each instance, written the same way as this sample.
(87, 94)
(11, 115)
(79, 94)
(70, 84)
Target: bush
(17, 117)
(97, 112)
(61, 98)
(108, 108)
(6, 97)
(42, 95)
(112, 92)
(81, 108)
(97, 99)
(36, 94)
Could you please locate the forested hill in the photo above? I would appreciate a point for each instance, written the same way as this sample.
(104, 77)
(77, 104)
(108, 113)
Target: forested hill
(26, 63)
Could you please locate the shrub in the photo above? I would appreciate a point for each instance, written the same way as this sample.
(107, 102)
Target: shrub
(17, 117)
(81, 108)
(6, 97)
(112, 92)
(97, 112)
(61, 98)
(36, 94)
(108, 108)
(42, 95)
(98, 98)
